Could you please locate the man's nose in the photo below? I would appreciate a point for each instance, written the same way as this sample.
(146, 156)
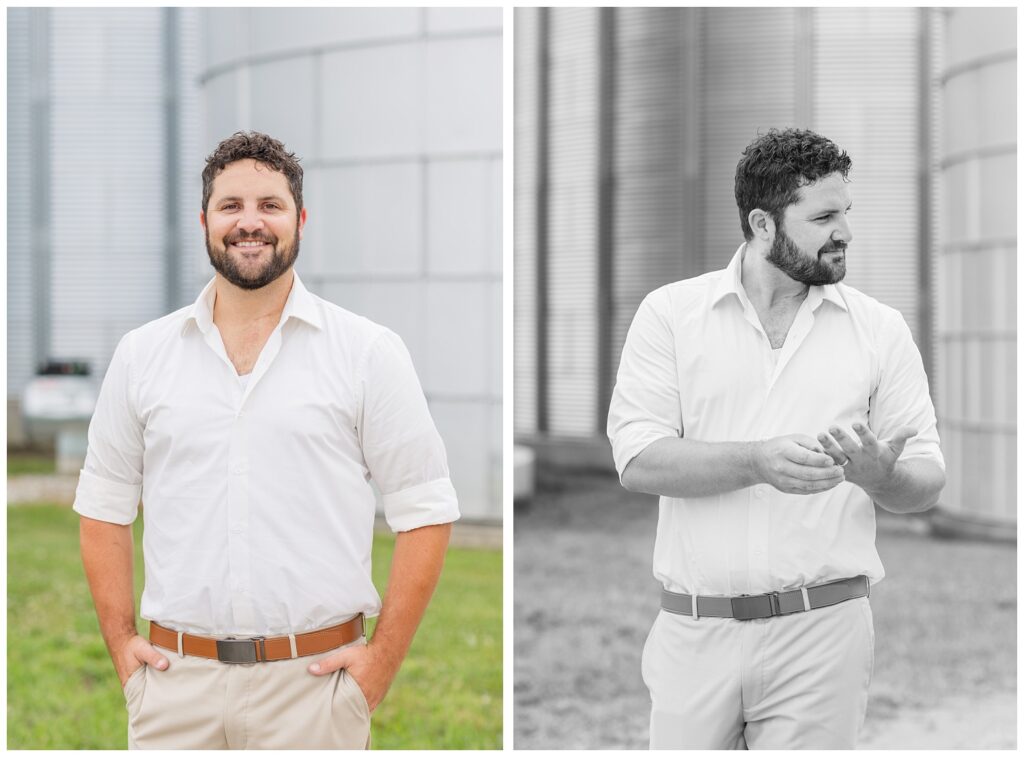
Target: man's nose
(843, 233)
(250, 220)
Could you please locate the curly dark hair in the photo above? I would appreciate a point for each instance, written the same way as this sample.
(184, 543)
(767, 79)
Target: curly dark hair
(260, 147)
(774, 167)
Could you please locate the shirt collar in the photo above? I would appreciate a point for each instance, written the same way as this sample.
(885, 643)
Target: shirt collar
(731, 283)
(300, 304)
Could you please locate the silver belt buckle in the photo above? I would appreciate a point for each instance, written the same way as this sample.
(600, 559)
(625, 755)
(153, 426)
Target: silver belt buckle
(241, 650)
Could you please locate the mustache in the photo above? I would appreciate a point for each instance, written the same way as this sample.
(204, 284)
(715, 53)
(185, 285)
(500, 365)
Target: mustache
(250, 238)
(832, 247)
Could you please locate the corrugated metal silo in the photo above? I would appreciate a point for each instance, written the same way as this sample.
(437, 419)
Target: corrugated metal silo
(977, 271)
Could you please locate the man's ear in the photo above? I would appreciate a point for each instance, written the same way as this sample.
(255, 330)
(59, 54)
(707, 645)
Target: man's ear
(302, 222)
(761, 224)
(202, 219)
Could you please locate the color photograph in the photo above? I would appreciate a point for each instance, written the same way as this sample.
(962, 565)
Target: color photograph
(254, 378)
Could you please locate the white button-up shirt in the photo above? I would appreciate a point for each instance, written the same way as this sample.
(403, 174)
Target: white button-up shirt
(257, 496)
(697, 363)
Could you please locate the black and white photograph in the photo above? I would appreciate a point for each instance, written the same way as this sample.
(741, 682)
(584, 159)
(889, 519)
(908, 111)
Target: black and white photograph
(765, 378)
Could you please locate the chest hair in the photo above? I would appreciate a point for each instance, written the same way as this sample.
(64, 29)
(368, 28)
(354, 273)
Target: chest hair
(776, 324)
(244, 346)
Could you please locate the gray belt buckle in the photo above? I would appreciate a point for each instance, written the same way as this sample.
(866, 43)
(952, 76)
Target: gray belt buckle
(240, 650)
(754, 607)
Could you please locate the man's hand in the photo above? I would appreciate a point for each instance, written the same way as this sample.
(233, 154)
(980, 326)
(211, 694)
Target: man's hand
(372, 671)
(868, 463)
(796, 464)
(135, 653)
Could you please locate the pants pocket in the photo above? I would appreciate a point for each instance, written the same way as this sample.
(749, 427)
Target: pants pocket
(357, 692)
(134, 687)
(647, 651)
(134, 691)
(869, 625)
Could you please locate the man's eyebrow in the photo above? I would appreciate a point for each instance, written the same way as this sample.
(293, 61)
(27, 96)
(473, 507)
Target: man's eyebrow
(822, 209)
(259, 199)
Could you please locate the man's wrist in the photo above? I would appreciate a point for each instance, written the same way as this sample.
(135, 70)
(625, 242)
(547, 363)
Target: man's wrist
(384, 653)
(752, 463)
(882, 486)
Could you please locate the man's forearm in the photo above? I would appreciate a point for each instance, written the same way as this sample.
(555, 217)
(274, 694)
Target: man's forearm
(415, 568)
(914, 486)
(107, 554)
(674, 467)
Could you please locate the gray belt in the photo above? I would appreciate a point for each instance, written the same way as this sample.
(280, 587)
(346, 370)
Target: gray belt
(749, 607)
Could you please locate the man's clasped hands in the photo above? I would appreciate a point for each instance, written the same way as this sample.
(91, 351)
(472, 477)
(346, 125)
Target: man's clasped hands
(799, 464)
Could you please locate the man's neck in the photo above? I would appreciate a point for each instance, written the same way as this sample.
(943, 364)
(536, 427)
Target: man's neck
(766, 286)
(235, 307)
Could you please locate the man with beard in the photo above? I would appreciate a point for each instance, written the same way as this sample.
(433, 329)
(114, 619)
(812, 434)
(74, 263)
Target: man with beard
(768, 405)
(252, 423)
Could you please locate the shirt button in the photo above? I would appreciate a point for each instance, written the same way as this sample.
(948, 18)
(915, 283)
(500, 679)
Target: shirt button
(240, 466)
(760, 491)
(236, 529)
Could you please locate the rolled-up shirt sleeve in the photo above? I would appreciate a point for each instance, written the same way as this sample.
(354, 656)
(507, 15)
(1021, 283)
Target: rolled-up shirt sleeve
(645, 402)
(402, 449)
(110, 483)
(901, 397)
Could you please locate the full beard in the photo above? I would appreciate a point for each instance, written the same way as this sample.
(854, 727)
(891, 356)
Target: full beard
(788, 258)
(281, 259)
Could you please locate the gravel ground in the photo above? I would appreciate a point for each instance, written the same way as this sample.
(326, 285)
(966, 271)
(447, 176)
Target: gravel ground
(584, 600)
(41, 488)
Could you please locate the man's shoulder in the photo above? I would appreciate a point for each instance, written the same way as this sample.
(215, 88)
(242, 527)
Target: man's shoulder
(341, 322)
(160, 328)
(685, 293)
(865, 307)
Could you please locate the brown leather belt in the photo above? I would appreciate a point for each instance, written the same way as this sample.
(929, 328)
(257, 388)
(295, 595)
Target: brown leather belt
(259, 648)
(751, 607)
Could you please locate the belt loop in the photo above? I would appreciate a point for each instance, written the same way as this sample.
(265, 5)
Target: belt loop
(291, 641)
(693, 607)
(807, 600)
(867, 583)
(181, 648)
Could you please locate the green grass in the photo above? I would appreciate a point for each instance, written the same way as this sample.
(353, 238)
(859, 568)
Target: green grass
(62, 692)
(22, 463)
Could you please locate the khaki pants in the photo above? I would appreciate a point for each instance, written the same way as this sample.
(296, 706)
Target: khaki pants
(791, 682)
(206, 704)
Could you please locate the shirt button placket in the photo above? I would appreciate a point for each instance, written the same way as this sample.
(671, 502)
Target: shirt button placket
(239, 552)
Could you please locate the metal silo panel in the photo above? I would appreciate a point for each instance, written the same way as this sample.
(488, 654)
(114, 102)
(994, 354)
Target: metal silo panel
(748, 85)
(977, 266)
(194, 269)
(935, 25)
(20, 294)
(870, 106)
(527, 69)
(655, 163)
(572, 258)
(107, 189)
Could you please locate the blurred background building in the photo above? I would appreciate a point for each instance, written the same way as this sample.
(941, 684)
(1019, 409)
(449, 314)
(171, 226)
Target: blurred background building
(396, 115)
(628, 126)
